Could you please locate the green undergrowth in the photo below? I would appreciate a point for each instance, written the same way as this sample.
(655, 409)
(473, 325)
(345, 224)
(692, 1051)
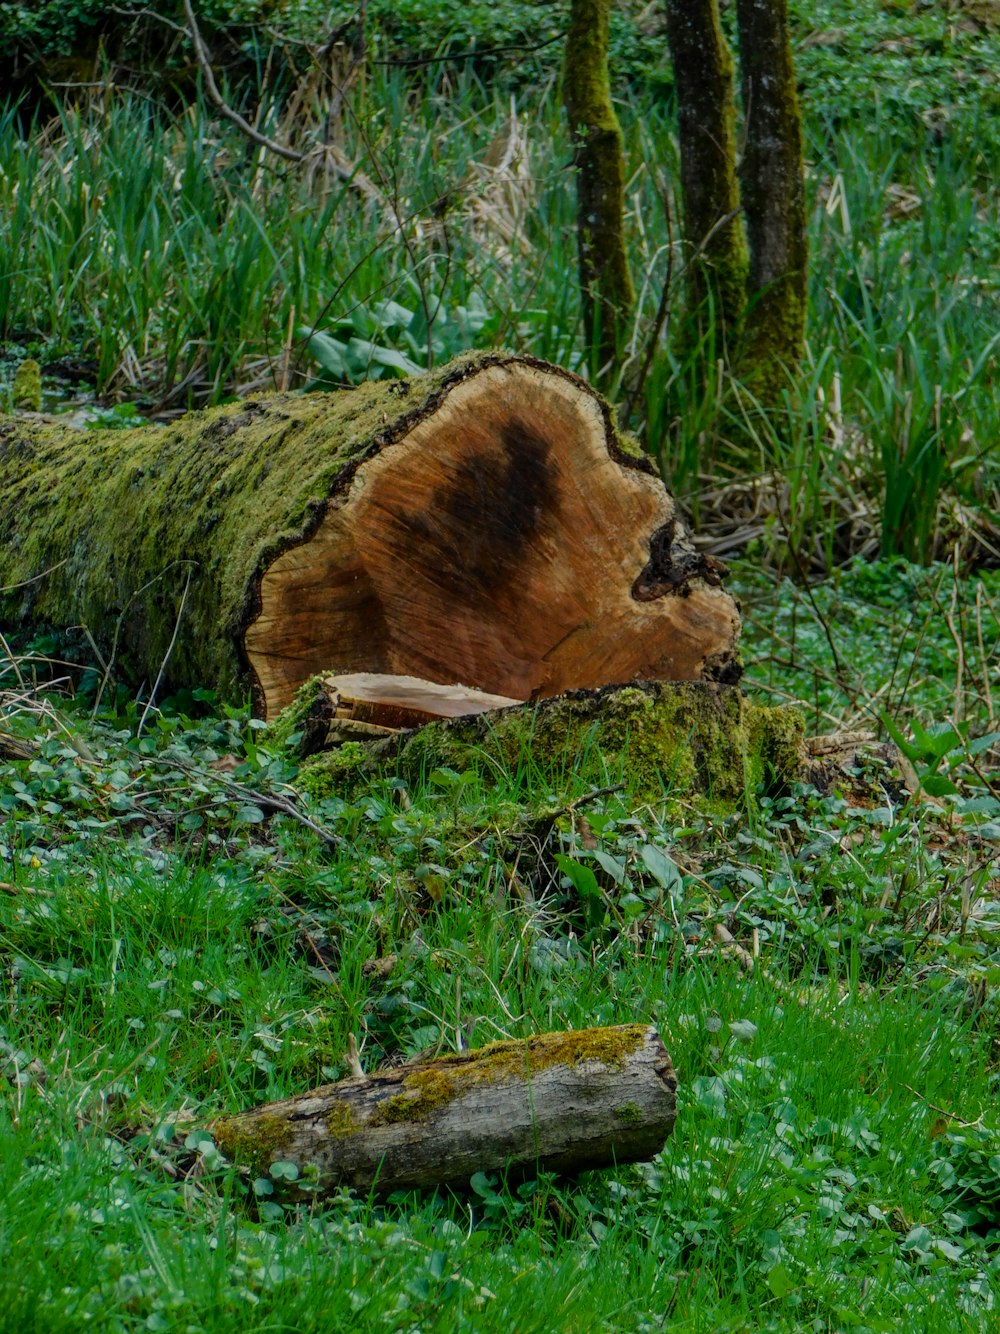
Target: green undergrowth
(877, 638)
(178, 944)
(704, 743)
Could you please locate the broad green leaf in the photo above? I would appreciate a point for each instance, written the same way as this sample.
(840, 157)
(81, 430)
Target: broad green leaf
(660, 866)
(780, 1281)
(249, 814)
(612, 865)
(581, 877)
(913, 753)
(329, 352)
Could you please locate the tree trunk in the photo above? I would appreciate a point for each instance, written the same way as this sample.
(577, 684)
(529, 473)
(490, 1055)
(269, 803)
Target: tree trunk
(483, 524)
(713, 228)
(558, 1102)
(773, 191)
(605, 283)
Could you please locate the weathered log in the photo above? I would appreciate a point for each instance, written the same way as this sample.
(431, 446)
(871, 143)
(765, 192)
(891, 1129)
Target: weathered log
(483, 524)
(16, 748)
(560, 1102)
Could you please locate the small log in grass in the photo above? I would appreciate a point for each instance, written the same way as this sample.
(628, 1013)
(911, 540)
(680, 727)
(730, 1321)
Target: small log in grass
(561, 1102)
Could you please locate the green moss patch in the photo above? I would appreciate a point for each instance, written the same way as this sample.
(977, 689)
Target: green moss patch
(253, 1142)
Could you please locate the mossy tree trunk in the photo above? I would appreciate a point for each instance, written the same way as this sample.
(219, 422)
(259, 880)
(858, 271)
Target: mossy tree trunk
(605, 282)
(706, 110)
(559, 1102)
(483, 524)
(757, 293)
(773, 191)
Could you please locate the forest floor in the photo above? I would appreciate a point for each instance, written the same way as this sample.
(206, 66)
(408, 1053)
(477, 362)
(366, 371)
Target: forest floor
(172, 949)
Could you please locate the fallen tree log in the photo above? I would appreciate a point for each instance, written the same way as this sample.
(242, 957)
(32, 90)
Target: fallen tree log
(484, 525)
(560, 1102)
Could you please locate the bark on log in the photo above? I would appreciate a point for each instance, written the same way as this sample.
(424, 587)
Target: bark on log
(482, 524)
(562, 1102)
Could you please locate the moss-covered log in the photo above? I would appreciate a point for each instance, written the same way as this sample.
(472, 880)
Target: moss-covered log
(483, 524)
(706, 111)
(773, 193)
(599, 158)
(683, 738)
(559, 1102)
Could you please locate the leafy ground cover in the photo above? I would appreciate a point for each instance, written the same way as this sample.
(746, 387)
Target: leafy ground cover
(175, 944)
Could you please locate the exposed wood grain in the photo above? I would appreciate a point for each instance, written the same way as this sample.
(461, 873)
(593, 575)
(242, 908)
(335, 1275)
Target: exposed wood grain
(504, 543)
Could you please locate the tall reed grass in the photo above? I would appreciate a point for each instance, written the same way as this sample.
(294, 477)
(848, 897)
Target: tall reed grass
(192, 265)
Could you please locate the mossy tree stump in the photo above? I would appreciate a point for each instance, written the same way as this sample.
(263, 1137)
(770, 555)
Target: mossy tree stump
(560, 1102)
(483, 525)
(681, 737)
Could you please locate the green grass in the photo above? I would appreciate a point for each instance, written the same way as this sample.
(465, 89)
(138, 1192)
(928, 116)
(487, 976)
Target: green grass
(878, 637)
(171, 951)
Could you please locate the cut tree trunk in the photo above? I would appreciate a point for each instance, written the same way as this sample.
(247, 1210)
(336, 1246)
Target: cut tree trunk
(482, 525)
(558, 1102)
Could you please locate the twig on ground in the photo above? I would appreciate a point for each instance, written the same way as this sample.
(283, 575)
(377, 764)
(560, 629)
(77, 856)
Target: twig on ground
(941, 1111)
(285, 807)
(166, 656)
(593, 795)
